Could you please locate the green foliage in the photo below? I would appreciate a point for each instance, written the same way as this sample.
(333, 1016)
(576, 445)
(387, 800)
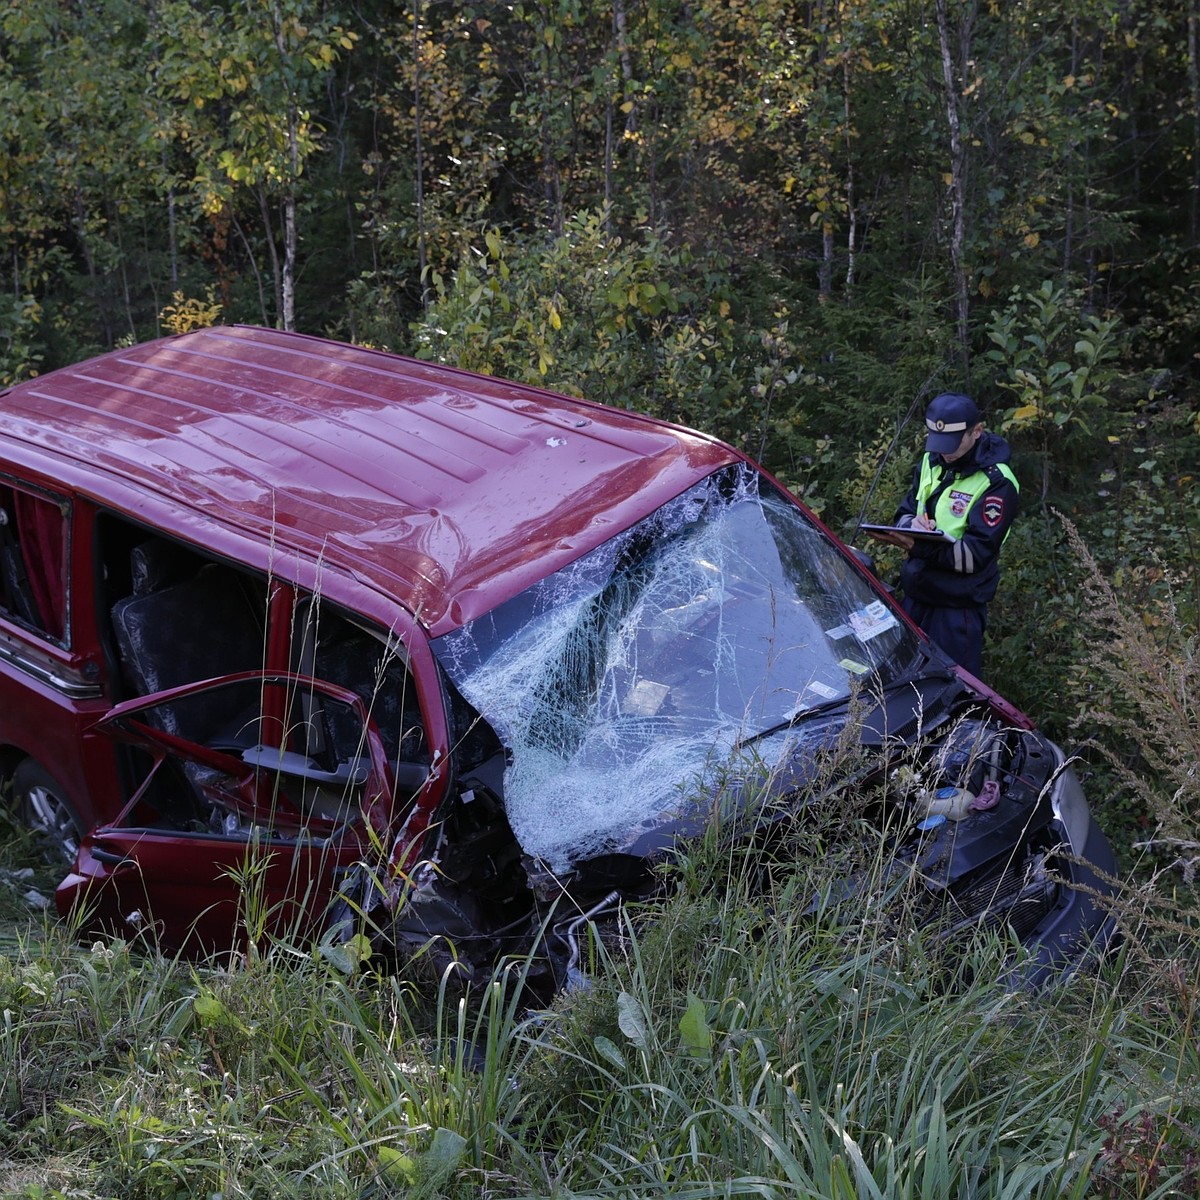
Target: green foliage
(1051, 647)
(175, 147)
(1138, 684)
(253, 74)
(620, 320)
(184, 314)
(1057, 362)
(20, 349)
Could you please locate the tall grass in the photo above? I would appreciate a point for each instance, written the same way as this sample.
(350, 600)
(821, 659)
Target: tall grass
(789, 1053)
(752, 1036)
(767, 1030)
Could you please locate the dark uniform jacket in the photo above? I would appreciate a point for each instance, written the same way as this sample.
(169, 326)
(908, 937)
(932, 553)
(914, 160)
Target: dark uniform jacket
(976, 499)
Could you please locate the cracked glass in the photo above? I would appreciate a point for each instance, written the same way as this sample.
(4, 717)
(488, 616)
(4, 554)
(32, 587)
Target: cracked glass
(621, 683)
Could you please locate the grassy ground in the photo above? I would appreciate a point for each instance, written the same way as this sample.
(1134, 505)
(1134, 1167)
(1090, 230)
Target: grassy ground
(743, 1040)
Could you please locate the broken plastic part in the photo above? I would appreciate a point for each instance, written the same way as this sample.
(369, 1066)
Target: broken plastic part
(989, 797)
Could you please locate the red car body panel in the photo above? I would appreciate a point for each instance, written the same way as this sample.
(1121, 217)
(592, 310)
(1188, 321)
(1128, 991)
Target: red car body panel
(207, 891)
(138, 881)
(413, 478)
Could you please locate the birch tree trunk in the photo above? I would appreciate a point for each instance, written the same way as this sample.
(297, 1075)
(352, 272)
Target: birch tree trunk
(1194, 87)
(288, 288)
(958, 167)
(851, 201)
(419, 151)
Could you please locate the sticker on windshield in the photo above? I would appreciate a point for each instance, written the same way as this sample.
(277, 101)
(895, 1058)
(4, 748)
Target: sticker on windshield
(823, 690)
(804, 701)
(871, 621)
(848, 664)
(838, 632)
(645, 698)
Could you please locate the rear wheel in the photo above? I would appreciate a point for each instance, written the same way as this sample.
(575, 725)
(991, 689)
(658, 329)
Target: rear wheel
(41, 807)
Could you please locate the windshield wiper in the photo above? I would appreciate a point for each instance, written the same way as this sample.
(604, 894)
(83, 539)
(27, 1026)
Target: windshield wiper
(911, 678)
(804, 714)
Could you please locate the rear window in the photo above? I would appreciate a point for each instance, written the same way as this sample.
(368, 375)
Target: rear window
(33, 540)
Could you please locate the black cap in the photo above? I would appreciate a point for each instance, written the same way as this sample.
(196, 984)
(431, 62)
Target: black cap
(947, 418)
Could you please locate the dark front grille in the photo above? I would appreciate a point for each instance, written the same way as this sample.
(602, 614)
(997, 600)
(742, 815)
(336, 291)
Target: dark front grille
(1021, 895)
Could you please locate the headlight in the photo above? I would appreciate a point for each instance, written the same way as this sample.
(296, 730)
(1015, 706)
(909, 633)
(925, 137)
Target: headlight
(1069, 805)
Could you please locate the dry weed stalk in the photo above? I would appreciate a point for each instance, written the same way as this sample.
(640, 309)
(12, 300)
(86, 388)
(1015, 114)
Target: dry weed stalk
(1147, 696)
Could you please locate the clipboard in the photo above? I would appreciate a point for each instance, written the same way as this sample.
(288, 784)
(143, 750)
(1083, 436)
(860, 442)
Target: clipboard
(920, 535)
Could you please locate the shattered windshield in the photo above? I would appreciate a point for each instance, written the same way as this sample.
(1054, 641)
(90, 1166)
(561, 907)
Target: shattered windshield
(620, 682)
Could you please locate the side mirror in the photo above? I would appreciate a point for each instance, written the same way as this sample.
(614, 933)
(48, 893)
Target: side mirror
(864, 559)
(867, 561)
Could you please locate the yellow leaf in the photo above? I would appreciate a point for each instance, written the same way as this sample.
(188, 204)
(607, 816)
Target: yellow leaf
(1069, 82)
(788, 184)
(1031, 240)
(723, 308)
(627, 107)
(1113, 440)
(1025, 413)
(947, 178)
(555, 319)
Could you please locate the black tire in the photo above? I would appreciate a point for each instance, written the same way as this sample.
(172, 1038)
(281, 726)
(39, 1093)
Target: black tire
(41, 807)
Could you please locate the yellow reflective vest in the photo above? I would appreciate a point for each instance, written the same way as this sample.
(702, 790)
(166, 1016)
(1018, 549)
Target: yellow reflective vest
(953, 506)
(975, 503)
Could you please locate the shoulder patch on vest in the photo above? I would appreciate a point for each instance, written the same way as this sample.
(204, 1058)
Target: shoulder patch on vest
(993, 511)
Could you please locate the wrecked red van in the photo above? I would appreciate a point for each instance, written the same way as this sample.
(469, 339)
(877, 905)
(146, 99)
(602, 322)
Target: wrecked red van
(291, 628)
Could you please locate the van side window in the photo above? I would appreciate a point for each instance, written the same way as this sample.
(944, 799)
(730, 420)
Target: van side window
(33, 542)
(328, 646)
(177, 617)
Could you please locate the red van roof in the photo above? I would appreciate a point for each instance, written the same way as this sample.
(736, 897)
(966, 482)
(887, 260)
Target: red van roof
(448, 491)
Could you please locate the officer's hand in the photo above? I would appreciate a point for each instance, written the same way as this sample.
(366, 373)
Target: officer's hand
(893, 539)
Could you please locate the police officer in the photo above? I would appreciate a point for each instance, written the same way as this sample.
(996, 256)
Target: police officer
(964, 487)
